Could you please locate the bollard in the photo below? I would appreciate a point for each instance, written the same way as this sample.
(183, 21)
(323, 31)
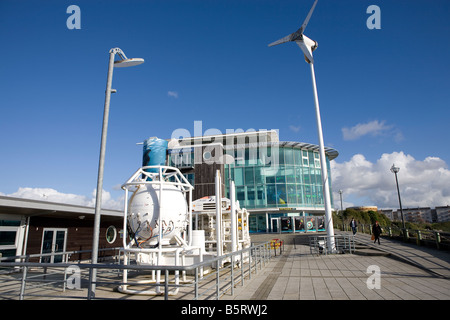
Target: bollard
(405, 234)
(438, 239)
(419, 237)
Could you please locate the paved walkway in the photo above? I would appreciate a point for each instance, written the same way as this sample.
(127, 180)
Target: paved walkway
(416, 273)
(406, 272)
(430, 259)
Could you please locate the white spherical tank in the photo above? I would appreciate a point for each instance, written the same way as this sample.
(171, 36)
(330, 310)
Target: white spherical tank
(144, 210)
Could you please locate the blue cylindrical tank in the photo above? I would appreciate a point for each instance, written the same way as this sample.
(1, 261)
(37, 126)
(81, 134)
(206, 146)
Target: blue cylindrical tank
(154, 153)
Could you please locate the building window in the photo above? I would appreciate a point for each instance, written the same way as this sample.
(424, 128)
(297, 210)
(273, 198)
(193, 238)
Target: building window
(111, 234)
(305, 158)
(11, 236)
(289, 156)
(7, 238)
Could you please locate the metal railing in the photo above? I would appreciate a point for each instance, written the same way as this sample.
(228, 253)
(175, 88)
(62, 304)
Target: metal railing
(34, 280)
(65, 255)
(438, 239)
(343, 244)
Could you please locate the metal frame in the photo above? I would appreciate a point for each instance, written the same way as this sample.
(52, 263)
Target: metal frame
(342, 244)
(161, 177)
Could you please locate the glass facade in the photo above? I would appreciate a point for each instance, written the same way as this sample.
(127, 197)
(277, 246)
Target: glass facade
(279, 183)
(295, 182)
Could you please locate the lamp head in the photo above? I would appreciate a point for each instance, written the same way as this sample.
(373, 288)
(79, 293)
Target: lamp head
(128, 62)
(395, 169)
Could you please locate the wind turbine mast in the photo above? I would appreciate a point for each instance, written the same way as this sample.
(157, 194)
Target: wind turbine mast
(308, 46)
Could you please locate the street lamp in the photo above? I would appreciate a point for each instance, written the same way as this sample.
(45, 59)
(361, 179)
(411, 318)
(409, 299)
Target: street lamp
(123, 62)
(395, 170)
(340, 194)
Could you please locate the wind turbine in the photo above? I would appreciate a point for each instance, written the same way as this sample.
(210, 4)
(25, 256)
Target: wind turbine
(308, 46)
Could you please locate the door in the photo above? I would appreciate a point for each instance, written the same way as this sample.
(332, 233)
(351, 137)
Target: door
(274, 224)
(53, 241)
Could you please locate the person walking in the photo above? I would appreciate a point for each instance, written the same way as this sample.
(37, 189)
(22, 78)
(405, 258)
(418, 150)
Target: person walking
(376, 231)
(353, 225)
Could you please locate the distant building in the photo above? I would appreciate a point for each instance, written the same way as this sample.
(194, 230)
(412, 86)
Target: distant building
(388, 213)
(443, 214)
(418, 215)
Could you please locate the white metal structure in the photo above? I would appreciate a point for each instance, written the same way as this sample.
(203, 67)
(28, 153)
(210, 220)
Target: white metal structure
(157, 223)
(233, 230)
(308, 46)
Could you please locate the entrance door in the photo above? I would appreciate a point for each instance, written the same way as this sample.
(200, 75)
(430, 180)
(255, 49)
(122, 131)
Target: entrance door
(274, 224)
(53, 241)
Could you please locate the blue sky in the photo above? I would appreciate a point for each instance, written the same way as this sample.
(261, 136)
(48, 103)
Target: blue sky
(384, 93)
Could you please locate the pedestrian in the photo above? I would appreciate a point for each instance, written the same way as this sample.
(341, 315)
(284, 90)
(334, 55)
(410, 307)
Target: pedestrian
(353, 225)
(376, 231)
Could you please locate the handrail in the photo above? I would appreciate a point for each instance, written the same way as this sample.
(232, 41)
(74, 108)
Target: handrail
(62, 253)
(343, 243)
(256, 254)
(435, 238)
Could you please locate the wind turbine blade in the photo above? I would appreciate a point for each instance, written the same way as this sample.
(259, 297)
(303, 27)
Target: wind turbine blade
(306, 50)
(305, 23)
(282, 40)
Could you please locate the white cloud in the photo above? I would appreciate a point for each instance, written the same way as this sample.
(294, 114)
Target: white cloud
(173, 94)
(52, 195)
(422, 183)
(294, 128)
(372, 128)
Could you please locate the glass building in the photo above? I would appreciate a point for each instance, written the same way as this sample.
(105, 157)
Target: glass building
(278, 182)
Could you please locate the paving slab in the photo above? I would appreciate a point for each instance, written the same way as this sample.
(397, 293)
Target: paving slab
(404, 275)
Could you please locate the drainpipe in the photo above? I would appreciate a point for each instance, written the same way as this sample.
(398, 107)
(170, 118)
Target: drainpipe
(25, 241)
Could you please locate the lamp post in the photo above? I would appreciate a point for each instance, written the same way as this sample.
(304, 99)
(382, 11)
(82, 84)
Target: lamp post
(395, 170)
(123, 62)
(340, 195)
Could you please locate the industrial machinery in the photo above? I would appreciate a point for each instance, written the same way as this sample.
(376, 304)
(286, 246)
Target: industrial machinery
(204, 219)
(159, 229)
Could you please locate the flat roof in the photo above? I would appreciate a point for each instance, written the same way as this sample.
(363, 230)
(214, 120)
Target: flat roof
(264, 138)
(332, 153)
(31, 207)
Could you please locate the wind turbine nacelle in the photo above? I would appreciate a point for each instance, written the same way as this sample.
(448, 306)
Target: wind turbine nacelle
(310, 44)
